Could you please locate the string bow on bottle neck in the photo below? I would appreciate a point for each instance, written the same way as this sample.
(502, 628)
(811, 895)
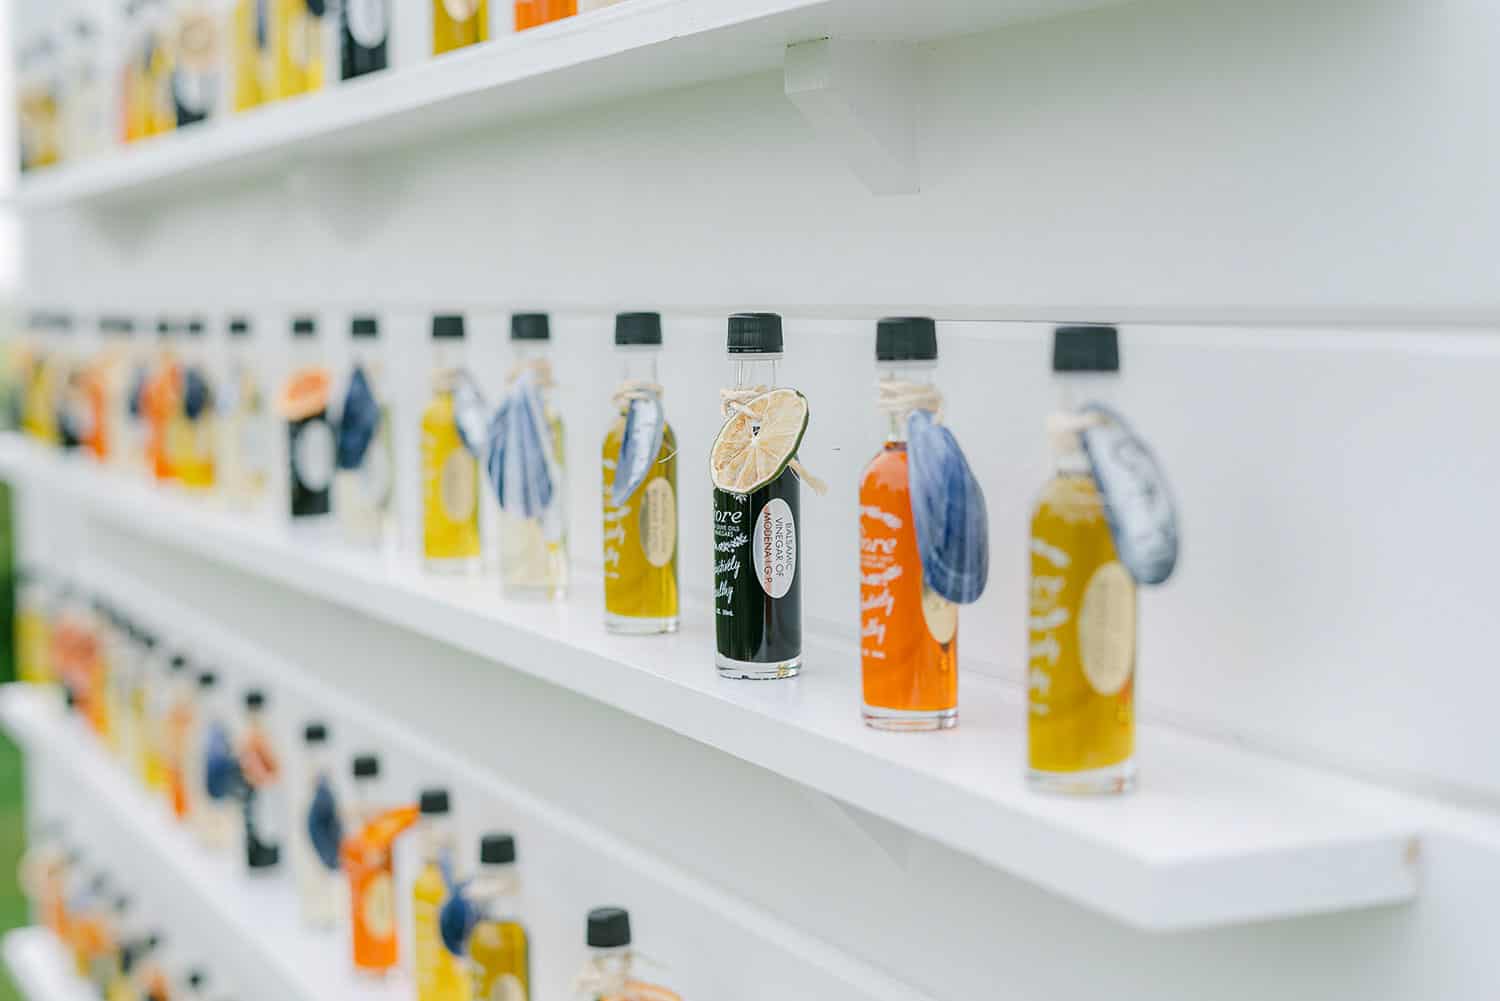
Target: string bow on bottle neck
(898, 396)
(635, 389)
(540, 369)
(732, 401)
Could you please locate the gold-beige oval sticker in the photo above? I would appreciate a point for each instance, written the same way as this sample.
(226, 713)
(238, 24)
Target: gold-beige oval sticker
(1106, 629)
(658, 522)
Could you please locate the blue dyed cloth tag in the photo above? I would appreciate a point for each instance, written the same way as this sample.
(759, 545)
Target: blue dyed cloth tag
(221, 770)
(196, 396)
(948, 507)
(645, 425)
(1137, 500)
(358, 421)
(521, 463)
(324, 828)
(457, 918)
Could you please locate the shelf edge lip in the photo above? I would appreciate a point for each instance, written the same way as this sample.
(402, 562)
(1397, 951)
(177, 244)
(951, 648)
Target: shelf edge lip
(37, 964)
(1148, 894)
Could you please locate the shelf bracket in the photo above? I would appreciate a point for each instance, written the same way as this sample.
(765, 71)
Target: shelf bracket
(861, 99)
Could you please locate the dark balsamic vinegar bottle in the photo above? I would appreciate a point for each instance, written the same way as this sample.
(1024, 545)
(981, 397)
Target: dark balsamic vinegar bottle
(310, 439)
(364, 37)
(759, 627)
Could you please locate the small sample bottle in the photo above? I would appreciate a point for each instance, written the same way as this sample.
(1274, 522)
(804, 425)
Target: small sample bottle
(609, 973)
(310, 439)
(365, 481)
(262, 787)
(459, 23)
(364, 37)
(757, 562)
(318, 833)
(908, 633)
(190, 437)
(162, 398)
(498, 949)
(178, 729)
(450, 474)
(531, 13)
(106, 970)
(197, 60)
(244, 456)
(33, 628)
(245, 39)
(372, 894)
(1082, 637)
(213, 770)
(296, 30)
(147, 692)
(439, 975)
(534, 550)
(640, 532)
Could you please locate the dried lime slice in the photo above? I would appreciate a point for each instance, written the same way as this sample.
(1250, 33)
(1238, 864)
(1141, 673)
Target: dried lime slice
(757, 441)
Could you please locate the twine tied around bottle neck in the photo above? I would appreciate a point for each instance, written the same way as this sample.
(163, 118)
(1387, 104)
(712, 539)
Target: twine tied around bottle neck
(540, 369)
(898, 396)
(611, 977)
(733, 401)
(635, 389)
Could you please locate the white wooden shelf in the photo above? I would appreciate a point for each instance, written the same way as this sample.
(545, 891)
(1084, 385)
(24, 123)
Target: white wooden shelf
(1215, 835)
(636, 47)
(260, 916)
(40, 967)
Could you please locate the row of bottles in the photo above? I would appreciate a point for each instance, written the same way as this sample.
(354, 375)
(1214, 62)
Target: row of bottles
(91, 73)
(1104, 525)
(161, 714)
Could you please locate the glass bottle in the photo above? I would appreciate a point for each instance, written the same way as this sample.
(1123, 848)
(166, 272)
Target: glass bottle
(296, 30)
(107, 388)
(450, 474)
(105, 969)
(908, 633)
(197, 60)
(498, 949)
(609, 974)
(372, 895)
(244, 429)
(640, 535)
(247, 28)
(262, 787)
(213, 774)
(364, 34)
(146, 697)
(310, 439)
(758, 620)
(439, 975)
(162, 396)
(178, 728)
(534, 551)
(190, 436)
(319, 886)
(365, 481)
(1081, 678)
(33, 628)
(459, 23)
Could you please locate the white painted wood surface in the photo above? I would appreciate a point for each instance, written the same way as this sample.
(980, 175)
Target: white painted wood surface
(40, 967)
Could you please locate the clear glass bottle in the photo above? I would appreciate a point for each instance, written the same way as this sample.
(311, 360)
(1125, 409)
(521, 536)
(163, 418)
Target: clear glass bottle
(457, 24)
(609, 974)
(498, 948)
(247, 57)
(1082, 637)
(640, 535)
(364, 485)
(758, 619)
(450, 474)
(320, 887)
(908, 633)
(33, 627)
(296, 34)
(212, 775)
(310, 440)
(147, 702)
(162, 397)
(244, 424)
(439, 975)
(178, 730)
(190, 435)
(372, 894)
(534, 551)
(262, 787)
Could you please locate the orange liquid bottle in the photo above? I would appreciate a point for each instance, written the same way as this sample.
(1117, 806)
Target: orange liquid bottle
(161, 400)
(908, 633)
(369, 866)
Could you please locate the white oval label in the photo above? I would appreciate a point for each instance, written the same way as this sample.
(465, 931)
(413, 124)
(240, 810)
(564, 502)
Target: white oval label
(456, 486)
(366, 20)
(312, 459)
(461, 10)
(658, 522)
(774, 543)
(1106, 629)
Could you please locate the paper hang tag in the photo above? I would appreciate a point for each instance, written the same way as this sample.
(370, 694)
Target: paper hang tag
(645, 425)
(948, 508)
(358, 421)
(470, 415)
(1137, 499)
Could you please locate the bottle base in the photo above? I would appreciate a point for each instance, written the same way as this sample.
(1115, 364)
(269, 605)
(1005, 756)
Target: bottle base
(451, 566)
(1109, 781)
(910, 720)
(628, 625)
(542, 593)
(750, 670)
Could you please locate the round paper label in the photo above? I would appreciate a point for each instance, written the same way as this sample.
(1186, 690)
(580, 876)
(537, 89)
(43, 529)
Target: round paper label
(367, 22)
(378, 908)
(456, 486)
(507, 987)
(1106, 629)
(941, 616)
(312, 457)
(461, 10)
(774, 543)
(658, 522)
(375, 473)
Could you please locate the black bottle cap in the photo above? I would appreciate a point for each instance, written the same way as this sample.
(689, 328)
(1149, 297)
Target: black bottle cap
(755, 334)
(364, 326)
(497, 849)
(116, 325)
(239, 326)
(434, 802)
(148, 639)
(196, 979)
(530, 327)
(637, 328)
(196, 327)
(315, 733)
(163, 328)
(1092, 348)
(609, 927)
(255, 699)
(178, 662)
(366, 766)
(449, 326)
(207, 679)
(906, 338)
(122, 903)
(304, 326)
(99, 883)
(70, 698)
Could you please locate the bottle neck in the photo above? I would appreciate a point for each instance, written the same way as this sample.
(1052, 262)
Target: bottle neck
(749, 371)
(898, 403)
(305, 353)
(447, 360)
(638, 364)
(1074, 391)
(613, 967)
(436, 839)
(366, 354)
(497, 880)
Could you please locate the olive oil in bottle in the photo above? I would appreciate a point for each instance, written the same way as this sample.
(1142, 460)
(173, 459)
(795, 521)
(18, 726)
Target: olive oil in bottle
(450, 474)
